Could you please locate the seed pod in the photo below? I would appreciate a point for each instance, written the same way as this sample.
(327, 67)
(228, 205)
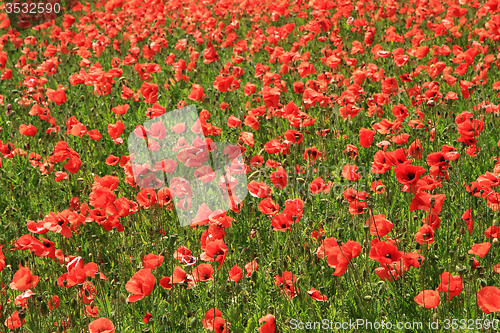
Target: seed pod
(44, 309)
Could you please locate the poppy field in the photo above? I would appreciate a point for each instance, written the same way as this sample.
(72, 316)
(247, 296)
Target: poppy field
(361, 163)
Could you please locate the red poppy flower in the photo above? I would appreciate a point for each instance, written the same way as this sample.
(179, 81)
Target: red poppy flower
(287, 284)
(233, 121)
(23, 279)
(147, 316)
(379, 225)
(235, 273)
(28, 130)
(146, 198)
(339, 257)
(53, 302)
(425, 235)
(268, 207)
(210, 54)
(492, 232)
(377, 186)
(166, 282)
(215, 248)
(271, 96)
(428, 299)
(94, 134)
(316, 295)
(102, 325)
(57, 96)
(14, 321)
(164, 196)
(385, 253)
(259, 189)
(92, 311)
(281, 222)
(270, 324)
(294, 209)
(467, 217)
(480, 250)
(488, 299)
(120, 109)
(250, 88)
(203, 272)
(61, 176)
(150, 92)
(140, 285)
(251, 121)
(115, 130)
(318, 185)
(451, 285)
(196, 93)
(427, 202)
(408, 175)
(152, 261)
(279, 178)
(312, 154)
(251, 266)
(350, 172)
(209, 318)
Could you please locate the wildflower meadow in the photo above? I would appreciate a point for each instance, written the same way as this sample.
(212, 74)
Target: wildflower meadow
(249, 166)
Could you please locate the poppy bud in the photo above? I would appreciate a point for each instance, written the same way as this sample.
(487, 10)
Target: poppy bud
(44, 309)
(457, 240)
(435, 316)
(495, 241)
(483, 283)
(123, 299)
(379, 188)
(22, 314)
(253, 276)
(367, 298)
(172, 239)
